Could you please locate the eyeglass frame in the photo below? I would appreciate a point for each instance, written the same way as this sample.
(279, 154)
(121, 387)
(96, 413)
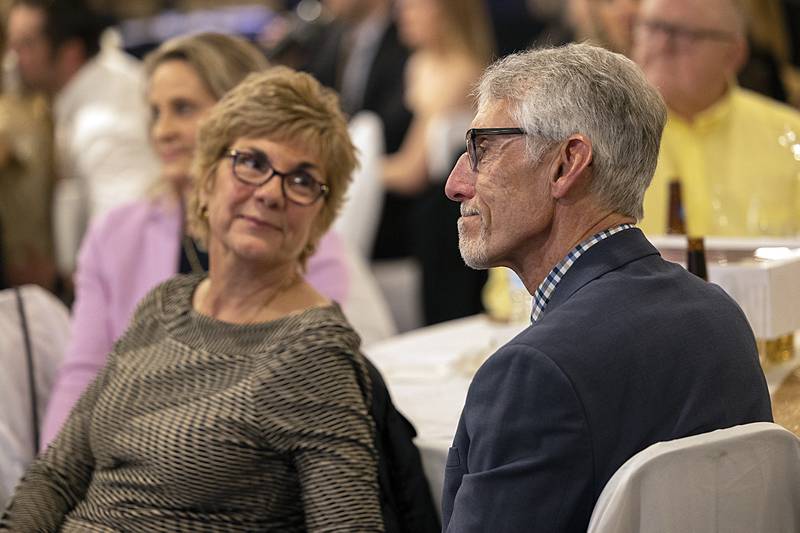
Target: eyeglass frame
(234, 154)
(678, 33)
(474, 133)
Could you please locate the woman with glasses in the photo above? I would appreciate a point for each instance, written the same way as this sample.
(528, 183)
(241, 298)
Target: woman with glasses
(236, 400)
(139, 245)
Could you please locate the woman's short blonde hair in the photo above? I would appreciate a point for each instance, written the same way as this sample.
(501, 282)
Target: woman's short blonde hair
(221, 61)
(284, 106)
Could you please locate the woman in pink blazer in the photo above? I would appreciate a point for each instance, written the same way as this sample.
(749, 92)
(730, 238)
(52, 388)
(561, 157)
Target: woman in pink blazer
(136, 246)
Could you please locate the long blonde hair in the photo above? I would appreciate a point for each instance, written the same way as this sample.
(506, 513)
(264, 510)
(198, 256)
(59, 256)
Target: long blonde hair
(467, 28)
(220, 61)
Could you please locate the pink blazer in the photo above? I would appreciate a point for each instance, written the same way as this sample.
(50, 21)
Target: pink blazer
(124, 255)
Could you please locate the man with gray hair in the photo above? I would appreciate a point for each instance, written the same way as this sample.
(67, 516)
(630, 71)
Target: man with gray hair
(625, 349)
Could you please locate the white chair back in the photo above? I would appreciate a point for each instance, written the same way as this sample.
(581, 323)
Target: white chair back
(744, 479)
(48, 328)
(366, 307)
(358, 219)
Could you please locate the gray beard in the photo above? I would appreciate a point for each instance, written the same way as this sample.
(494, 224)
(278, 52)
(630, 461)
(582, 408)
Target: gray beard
(473, 251)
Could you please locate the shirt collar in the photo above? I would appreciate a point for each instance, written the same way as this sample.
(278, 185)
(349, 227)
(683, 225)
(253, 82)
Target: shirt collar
(712, 115)
(541, 297)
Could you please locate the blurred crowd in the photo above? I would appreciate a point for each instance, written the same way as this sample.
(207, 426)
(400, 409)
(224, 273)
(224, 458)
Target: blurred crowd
(77, 137)
(413, 63)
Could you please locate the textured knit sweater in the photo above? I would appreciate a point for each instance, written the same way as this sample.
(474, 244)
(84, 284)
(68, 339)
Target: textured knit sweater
(200, 425)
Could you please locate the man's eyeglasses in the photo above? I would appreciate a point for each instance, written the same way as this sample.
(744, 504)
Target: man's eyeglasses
(682, 34)
(473, 151)
(254, 168)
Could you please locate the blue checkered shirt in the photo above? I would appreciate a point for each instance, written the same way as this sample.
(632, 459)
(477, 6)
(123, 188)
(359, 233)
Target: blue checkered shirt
(545, 290)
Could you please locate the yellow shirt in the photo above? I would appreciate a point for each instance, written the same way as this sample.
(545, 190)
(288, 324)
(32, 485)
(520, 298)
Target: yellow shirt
(738, 163)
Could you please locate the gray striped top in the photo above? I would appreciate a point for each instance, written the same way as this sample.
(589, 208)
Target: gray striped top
(200, 425)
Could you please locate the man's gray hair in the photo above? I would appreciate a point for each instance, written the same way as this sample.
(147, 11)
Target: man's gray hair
(556, 92)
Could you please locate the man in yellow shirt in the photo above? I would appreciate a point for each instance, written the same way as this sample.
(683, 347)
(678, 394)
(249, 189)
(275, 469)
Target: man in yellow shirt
(737, 154)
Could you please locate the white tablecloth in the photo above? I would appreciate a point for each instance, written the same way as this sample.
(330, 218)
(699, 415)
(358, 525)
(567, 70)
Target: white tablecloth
(428, 372)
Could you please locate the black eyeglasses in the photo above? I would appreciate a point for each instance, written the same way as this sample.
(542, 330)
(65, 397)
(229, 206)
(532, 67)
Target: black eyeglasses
(254, 168)
(472, 145)
(682, 34)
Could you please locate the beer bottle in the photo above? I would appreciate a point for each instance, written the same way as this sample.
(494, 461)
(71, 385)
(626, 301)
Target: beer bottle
(696, 257)
(676, 223)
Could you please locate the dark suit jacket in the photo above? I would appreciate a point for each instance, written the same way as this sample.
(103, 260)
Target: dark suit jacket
(385, 85)
(631, 350)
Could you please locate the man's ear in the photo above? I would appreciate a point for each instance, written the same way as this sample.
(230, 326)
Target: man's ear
(575, 156)
(739, 53)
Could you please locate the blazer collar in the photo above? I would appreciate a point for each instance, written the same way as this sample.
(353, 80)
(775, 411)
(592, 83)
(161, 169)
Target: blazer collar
(605, 256)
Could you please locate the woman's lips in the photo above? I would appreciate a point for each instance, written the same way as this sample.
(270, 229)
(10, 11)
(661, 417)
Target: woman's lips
(169, 156)
(260, 222)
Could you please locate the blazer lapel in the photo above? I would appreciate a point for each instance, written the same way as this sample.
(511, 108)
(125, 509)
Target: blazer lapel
(605, 256)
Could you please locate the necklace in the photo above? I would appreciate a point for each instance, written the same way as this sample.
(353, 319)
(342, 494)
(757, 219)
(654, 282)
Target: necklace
(190, 250)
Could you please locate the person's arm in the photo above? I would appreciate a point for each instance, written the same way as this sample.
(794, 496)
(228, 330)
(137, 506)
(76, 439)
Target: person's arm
(521, 460)
(406, 171)
(91, 337)
(319, 417)
(57, 481)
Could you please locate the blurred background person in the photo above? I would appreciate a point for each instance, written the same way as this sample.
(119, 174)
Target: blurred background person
(609, 23)
(555, 20)
(26, 182)
(606, 23)
(614, 23)
(102, 154)
(451, 42)
(768, 49)
(734, 151)
(236, 400)
(360, 55)
(136, 246)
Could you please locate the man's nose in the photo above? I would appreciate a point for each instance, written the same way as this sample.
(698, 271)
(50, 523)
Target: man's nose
(460, 184)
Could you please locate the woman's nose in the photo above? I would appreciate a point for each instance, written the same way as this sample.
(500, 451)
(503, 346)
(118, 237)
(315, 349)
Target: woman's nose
(271, 192)
(163, 127)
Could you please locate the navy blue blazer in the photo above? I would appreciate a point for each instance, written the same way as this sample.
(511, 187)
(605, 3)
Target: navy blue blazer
(630, 351)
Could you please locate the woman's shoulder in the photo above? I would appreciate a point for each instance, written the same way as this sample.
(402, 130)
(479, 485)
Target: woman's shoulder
(323, 325)
(170, 297)
(320, 333)
(320, 352)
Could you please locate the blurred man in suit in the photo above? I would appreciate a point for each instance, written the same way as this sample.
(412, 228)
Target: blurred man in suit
(625, 349)
(360, 55)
